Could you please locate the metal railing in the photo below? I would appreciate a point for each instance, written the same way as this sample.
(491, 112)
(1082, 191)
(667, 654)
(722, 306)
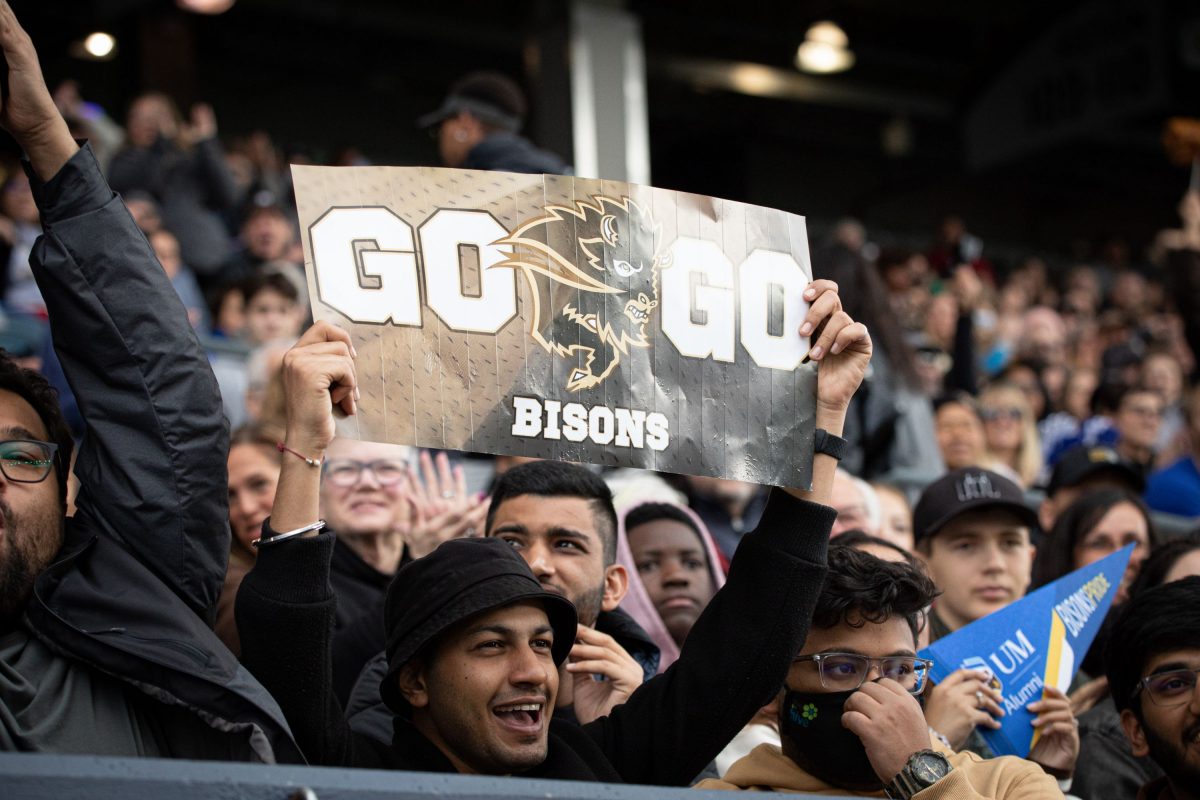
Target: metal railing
(29, 776)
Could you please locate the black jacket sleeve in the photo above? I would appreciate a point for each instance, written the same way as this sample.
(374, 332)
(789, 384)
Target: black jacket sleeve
(1183, 276)
(152, 464)
(285, 613)
(735, 657)
(212, 174)
(962, 370)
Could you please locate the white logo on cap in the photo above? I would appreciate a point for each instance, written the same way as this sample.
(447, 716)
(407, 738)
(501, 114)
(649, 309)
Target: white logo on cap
(977, 487)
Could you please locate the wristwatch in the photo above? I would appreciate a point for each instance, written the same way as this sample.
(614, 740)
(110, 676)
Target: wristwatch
(924, 769)
(826, 443)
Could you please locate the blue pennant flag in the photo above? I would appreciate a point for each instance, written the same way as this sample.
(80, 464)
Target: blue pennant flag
(1036, 642)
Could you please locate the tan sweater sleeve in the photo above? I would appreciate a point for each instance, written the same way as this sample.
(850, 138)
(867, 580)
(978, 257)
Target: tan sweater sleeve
(1004, 778)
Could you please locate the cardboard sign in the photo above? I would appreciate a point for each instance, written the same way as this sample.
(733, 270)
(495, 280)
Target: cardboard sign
(1036, 642)
(565, 318)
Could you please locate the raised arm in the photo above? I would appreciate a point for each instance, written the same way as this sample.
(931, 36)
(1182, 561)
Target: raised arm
(28, 111)
(285, 606)
(738, 652)
(220, 190)
(152, 464)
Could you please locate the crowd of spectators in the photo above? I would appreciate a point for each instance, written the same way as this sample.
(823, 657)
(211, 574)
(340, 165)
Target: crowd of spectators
(1017, 421)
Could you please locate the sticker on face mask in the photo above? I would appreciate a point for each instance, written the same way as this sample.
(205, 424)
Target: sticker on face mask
(805, 716)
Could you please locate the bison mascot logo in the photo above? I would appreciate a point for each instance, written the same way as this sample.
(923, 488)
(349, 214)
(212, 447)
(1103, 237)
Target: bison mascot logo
(593, 278)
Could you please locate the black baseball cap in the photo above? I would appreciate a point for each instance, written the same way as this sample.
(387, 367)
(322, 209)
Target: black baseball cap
(968, 489)
(1082, 461)
(458, 580)
(490, 96)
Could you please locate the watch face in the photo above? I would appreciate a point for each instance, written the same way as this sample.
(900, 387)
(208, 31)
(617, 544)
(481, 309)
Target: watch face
(929, 768)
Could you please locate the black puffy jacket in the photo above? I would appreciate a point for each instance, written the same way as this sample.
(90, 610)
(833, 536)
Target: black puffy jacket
(133, 590)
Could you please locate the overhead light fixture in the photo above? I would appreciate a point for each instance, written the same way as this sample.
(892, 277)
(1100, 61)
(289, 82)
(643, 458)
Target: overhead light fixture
(96, 46)
(99, 44)
(755, 79)
(825, 50)
(205, 6)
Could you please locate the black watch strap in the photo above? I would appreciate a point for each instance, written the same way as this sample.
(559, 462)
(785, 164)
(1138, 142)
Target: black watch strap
(828, 444)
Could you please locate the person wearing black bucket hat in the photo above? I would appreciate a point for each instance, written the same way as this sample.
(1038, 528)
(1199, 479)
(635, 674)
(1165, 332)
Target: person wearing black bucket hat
(469, 644)
(477, 127)
(559, 517)
(487, 574)
(473, 647)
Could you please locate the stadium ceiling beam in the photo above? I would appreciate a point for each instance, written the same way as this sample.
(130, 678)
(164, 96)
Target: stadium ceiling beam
(760, 80)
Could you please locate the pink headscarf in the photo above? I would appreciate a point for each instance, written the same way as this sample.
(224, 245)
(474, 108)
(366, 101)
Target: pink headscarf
(637, 601)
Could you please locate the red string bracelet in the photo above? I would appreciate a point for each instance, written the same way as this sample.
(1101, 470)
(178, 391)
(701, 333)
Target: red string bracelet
(312, 462)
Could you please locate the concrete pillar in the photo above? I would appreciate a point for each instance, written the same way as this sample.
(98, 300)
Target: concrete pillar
(608, 93)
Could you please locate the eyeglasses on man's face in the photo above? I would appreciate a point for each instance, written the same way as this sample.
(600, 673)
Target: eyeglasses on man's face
(1169, 688)
(26, 460)
(346, 472)
(845, 672)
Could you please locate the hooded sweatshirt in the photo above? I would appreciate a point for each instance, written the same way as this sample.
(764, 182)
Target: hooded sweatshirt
(767, 769)
(637, 602)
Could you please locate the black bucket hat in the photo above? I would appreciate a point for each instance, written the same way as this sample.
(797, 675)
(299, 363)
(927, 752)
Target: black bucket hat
(458, 580)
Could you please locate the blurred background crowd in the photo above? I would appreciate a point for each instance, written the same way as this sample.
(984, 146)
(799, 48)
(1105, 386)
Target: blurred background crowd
(1010, 200)
(1003, 355)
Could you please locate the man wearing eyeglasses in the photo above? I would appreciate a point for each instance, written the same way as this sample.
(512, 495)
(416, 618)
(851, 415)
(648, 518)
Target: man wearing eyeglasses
(1153, 659)
(849, 716)
(106, 640)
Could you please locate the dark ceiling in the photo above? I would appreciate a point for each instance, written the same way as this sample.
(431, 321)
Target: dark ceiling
(319, 75)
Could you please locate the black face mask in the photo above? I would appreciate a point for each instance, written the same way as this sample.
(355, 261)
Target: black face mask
(811, 727)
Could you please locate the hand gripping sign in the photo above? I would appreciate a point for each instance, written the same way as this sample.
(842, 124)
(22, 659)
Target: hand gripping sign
(1036, 642)
(565, 318)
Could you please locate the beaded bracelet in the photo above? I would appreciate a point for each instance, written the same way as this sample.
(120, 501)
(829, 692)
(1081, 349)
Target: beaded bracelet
(312, 462)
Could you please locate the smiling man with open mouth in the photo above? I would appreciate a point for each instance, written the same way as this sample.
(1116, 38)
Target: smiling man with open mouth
(476, 672)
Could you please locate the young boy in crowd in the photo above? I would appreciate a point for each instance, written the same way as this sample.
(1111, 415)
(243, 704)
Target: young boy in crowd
(849, 714)
(272, 315)
(674, 571)
(973, 531)
(273, 308)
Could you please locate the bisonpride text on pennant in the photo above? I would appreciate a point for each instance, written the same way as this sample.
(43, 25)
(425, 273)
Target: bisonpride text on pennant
(1035, 642)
